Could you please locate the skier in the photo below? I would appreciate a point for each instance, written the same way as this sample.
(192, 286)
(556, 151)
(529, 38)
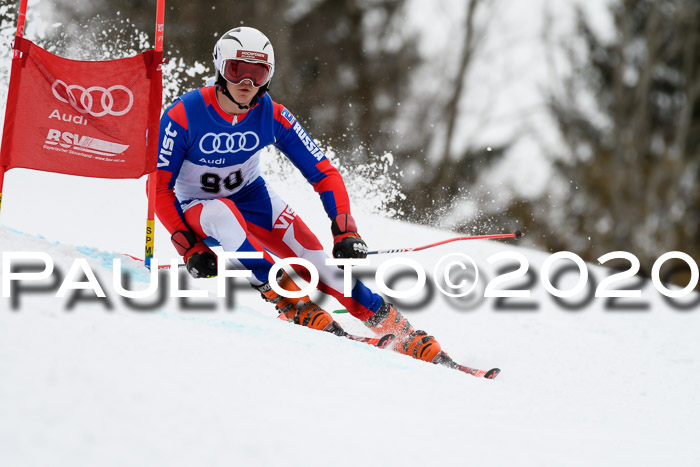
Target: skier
(210, 185)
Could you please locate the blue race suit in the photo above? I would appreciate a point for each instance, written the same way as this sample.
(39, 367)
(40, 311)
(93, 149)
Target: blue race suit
(209, 181)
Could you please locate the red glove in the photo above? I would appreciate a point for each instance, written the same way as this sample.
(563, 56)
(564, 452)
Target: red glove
(200, 260)
(347, 243)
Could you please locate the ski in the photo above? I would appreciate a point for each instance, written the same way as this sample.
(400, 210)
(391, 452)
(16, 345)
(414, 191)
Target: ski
(446, 360)
(379, 342)
(488, 374)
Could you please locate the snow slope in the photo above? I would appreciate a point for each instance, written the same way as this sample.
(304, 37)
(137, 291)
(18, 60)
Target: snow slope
(173, 387)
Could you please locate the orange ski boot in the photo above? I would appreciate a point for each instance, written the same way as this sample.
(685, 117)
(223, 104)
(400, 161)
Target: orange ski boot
(417, 344)
(300, 310)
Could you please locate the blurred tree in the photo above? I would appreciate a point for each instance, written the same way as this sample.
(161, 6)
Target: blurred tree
(340, 64)
(634, 157)
(447, 169)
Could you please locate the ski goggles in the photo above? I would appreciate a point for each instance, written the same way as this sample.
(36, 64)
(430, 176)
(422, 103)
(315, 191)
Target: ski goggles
(237, 71)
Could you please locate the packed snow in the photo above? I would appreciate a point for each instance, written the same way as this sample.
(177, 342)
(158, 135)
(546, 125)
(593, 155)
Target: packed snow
(96, 386)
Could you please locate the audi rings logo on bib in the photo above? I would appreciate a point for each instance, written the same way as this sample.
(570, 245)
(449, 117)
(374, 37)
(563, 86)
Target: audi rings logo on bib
(228, 143)
(95, 100)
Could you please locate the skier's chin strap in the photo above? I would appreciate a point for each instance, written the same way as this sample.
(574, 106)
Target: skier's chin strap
(225, 92)
(221, 86)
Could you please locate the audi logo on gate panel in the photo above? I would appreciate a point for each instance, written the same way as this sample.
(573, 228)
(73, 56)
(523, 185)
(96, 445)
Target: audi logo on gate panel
(85, 101)
(224, 143)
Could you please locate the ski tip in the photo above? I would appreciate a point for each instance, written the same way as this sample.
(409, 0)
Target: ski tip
(385, 341)
(492, 373)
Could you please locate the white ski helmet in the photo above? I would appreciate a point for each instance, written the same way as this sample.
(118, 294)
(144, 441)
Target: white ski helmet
(244, 54)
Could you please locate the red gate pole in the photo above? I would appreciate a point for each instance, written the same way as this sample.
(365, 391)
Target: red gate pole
(21, 20)
(152, 179)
